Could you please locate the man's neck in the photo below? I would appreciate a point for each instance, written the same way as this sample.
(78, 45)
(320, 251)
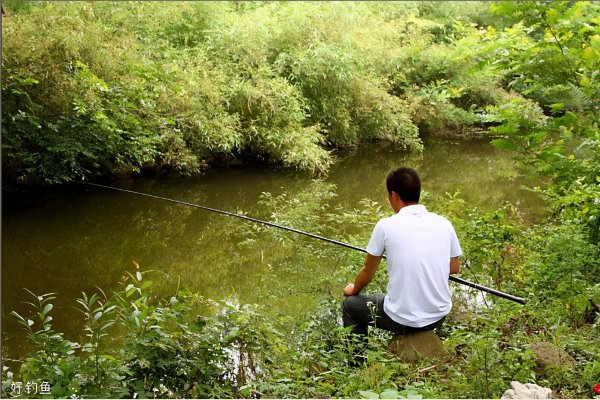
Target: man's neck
(403, 204)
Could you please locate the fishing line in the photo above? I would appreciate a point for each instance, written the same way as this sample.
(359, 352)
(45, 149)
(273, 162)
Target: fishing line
(498, 293)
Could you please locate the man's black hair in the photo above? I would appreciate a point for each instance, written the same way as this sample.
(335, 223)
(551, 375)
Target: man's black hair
(406, 183)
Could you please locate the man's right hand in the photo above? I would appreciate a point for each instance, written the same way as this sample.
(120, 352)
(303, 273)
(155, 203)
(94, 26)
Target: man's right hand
(364, 276)
(349, 289)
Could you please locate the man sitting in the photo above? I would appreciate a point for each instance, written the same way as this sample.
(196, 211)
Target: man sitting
(422, 249)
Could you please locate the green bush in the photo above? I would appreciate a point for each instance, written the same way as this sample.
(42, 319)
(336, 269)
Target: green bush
(114, 88)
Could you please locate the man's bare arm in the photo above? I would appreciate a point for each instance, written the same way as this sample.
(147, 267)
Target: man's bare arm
(364, 276)
(454, 265)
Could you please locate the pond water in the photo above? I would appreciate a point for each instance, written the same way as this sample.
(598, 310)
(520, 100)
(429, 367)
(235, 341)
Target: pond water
(77, 238)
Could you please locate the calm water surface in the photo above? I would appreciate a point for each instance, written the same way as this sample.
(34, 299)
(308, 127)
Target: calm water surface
(78, 238)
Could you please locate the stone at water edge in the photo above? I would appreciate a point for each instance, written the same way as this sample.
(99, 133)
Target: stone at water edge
(408, 347)
(548, 354)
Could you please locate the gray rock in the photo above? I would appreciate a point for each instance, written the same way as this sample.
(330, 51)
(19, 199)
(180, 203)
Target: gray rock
(408, 347)
(547, 354)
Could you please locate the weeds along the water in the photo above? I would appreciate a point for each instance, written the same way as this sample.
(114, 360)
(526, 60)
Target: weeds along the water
(136, 341)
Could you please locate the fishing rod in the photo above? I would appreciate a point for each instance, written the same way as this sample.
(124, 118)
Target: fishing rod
(495, 292)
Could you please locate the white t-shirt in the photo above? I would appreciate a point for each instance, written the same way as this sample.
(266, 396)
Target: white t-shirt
(418, 246)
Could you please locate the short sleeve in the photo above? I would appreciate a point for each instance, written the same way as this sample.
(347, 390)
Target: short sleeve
(376, 245)
(455, 249)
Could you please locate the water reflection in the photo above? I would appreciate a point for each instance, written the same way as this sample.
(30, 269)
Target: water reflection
(485, 176)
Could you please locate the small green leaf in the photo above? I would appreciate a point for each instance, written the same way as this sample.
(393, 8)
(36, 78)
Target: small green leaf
(14, 313)
(368, 395)
(146, 285)
(390, 394)
(109, 309)
(144, 313)
(47, 308)
(245, 390)
(110, 323)
(557, 108)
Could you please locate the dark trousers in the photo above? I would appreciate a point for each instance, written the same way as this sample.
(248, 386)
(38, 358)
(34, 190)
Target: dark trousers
(362, 311)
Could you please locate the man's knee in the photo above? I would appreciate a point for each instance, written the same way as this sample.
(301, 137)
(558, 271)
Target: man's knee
(345, 305)
(349, 307)
(349, 303)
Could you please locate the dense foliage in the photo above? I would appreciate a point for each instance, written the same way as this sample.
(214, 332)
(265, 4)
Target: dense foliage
(98, 88)
(110, 88)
